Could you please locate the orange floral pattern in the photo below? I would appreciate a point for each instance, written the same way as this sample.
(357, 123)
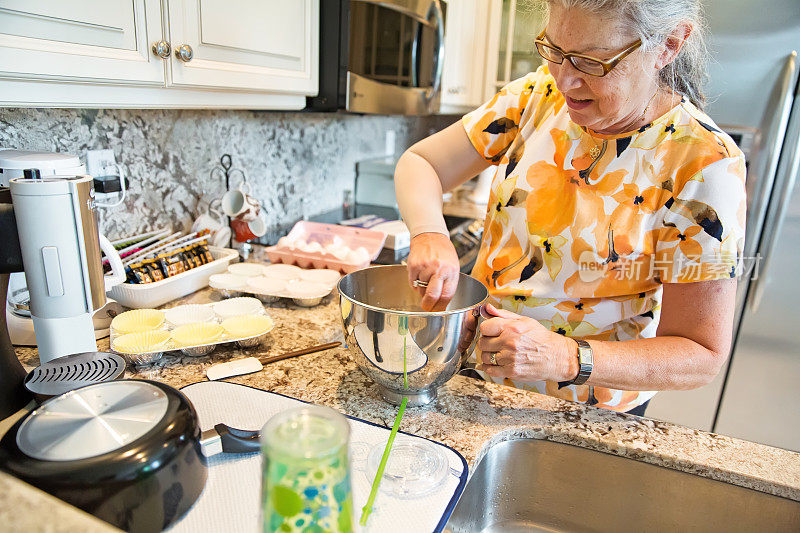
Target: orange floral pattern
(583, 229)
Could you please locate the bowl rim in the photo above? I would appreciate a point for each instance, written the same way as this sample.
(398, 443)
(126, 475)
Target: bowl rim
(411, 313)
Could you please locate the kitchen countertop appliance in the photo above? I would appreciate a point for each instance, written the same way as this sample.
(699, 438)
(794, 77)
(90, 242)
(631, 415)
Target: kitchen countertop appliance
(18, 164)
(50, 232)
(381, 56)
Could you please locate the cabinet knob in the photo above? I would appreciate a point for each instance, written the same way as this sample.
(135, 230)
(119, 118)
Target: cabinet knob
(162, 49)
(184, 52)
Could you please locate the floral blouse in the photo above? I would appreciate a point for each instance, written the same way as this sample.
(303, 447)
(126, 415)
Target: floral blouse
(582, 229)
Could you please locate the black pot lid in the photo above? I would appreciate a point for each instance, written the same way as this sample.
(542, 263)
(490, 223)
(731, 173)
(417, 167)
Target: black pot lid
(92, 421)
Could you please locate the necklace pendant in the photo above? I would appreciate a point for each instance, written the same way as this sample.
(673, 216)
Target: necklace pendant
(594, 152)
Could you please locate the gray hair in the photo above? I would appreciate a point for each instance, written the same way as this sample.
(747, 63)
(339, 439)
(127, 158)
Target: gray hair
(653, 21)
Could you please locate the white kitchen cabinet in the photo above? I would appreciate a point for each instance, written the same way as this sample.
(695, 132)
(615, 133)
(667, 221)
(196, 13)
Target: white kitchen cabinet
(267, 45)
(516, 52)
(80, 40)
(470, 44)
(488, 43)
(257, 54)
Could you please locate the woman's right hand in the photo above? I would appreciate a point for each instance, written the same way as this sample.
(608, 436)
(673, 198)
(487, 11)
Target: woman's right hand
(433, 259)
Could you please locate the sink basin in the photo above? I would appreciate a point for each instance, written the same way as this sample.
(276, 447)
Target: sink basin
(537, 485)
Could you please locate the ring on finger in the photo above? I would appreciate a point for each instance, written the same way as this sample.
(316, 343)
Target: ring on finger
(419, 283)
(493, 359)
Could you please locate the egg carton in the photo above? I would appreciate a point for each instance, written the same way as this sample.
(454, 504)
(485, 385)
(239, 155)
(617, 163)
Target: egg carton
(269, 283)
(211, 313)
(330, 246)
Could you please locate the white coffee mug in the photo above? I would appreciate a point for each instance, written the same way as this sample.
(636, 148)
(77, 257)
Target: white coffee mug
(237, 203)
(210, 220)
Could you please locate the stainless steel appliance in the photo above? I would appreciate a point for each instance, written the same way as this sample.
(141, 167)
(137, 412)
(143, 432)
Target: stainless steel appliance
(755, 97)
(18, 164)
(381, 56)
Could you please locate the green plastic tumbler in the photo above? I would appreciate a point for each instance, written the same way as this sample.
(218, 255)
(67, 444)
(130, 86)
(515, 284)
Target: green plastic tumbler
(305, 484)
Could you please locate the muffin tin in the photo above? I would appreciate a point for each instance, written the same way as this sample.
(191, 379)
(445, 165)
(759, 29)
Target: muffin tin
(269, 283)
(194, 329)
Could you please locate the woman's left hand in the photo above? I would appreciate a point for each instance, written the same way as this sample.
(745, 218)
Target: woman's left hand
(524, 349)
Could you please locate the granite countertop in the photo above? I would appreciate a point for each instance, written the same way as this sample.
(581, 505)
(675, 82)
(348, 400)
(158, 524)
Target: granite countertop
(471, 415)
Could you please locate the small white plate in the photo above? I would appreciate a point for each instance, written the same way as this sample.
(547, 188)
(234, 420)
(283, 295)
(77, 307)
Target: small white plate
(227, 281)
(265, 285)
(281, 271)
(246, 269)
(321, 275)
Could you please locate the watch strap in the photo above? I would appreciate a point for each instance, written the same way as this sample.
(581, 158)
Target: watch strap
(585, 364)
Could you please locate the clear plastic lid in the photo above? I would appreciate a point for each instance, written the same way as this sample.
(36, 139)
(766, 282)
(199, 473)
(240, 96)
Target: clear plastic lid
(415, 467)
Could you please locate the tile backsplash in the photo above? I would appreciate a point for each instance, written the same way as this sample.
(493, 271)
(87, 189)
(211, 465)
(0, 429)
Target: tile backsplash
(298, 164)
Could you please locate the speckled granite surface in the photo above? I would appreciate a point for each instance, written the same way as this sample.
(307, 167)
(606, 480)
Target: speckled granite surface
(471, 415)
(299, 164)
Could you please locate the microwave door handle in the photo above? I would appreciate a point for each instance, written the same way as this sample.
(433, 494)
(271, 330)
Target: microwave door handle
(783, 195)
(437, 77)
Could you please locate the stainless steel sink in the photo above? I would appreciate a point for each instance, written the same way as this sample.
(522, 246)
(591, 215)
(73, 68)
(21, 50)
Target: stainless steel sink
(536, 485)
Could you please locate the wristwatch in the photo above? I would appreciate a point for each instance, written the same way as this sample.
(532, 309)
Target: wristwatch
(585, 363)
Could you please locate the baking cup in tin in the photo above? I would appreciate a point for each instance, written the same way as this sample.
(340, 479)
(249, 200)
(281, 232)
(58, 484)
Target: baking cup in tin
(238, 306)
(189, 314)
(143, 347)
(253, 328)
(192, 335)
(137, 320)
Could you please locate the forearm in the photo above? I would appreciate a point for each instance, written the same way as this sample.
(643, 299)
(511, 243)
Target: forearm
(659, 363)
(419, 195)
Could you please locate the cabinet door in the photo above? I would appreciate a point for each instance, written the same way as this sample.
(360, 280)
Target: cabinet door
(257, 45)
(470, 41)
(517, 54)
(81, 40)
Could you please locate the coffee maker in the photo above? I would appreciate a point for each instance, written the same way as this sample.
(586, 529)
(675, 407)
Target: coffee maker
(49, 231)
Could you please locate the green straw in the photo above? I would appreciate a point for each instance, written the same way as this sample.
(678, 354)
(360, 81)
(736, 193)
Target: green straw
(365, 512)
(405, 374)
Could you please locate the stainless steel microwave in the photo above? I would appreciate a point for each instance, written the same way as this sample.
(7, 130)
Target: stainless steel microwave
(380, 56)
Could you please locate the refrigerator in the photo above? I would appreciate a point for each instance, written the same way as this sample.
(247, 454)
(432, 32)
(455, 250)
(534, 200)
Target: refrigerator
(756, 98)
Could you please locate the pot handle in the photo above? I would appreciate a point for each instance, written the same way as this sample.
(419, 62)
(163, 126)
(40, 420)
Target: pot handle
(229, 440)
(238, 440)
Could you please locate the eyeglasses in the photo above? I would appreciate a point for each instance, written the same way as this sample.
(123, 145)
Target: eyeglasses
(586, 64)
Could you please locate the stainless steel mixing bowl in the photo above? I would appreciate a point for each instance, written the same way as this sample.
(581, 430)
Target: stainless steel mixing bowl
(386, 330)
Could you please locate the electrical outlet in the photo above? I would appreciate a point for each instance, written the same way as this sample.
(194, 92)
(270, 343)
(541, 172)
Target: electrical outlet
(389, 142)
(100, 163)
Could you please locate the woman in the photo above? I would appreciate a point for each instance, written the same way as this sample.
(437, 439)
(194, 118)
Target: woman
(616, 218)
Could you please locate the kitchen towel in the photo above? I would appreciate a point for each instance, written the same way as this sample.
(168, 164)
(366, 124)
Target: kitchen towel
(230, 501)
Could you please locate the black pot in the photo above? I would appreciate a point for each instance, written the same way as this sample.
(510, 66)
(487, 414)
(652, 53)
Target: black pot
(143, 485)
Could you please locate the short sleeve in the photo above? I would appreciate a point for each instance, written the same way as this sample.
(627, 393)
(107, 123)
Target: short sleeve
(492, 127)
(702, 234)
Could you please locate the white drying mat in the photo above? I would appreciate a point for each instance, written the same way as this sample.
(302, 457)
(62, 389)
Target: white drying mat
(230, 500)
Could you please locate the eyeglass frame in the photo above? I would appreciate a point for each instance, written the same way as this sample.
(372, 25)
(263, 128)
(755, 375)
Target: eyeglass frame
(607, 64)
